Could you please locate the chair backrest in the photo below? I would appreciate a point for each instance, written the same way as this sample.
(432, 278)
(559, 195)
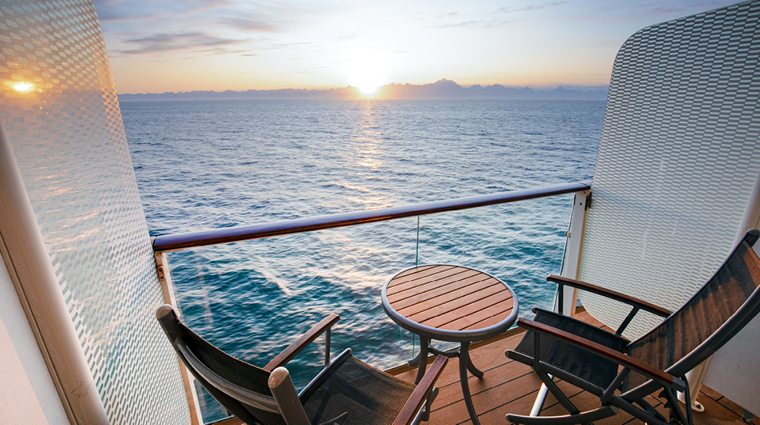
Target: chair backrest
(239, 386)
(720, 309)
(677, 160)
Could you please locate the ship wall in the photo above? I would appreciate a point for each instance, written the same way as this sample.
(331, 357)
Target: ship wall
(27, 394)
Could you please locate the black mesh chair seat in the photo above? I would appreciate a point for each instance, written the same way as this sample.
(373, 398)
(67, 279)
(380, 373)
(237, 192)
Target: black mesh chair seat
(588, 366)
(355, 393)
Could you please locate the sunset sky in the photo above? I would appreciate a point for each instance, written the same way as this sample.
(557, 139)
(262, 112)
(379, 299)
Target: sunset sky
(160, 46)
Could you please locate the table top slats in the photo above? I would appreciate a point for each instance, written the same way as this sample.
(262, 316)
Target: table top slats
(440, 321)
(485, 323)
(434, 289)
(464, 303)
(451, 303)
(418, 279)
(491, 315)
(418, 272)
(452, 292)
(415, 270)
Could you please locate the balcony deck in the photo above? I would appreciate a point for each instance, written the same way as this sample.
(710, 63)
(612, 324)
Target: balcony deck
(511, 387)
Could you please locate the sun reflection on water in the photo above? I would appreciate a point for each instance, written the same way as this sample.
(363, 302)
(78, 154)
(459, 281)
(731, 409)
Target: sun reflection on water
(367, 154)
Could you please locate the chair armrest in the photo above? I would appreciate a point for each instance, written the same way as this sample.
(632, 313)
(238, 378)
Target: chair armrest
(412, 406)
(641, 304)
(302, 342)
(617, 357)
(284, 393)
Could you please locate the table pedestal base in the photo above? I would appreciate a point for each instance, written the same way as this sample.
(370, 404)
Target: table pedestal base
(465, 364)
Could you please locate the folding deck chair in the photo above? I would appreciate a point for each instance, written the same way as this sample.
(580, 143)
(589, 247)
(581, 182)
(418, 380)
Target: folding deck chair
(621, 372)
(674, 184)
(347, 391)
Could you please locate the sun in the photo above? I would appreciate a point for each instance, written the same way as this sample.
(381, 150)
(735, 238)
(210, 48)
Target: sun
(367, 71)
(368, 84)
(368, 88)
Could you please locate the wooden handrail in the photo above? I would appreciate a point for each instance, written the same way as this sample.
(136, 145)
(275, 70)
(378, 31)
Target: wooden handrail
(257, 231)
(302, 342)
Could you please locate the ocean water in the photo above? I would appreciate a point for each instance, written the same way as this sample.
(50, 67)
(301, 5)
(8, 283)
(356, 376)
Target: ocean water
(212, 164)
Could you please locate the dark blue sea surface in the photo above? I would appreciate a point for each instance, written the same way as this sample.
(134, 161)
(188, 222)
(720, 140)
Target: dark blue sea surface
(211, 164)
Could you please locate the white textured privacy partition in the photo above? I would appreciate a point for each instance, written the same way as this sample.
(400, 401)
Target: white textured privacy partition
(679, 153)
(60, 112)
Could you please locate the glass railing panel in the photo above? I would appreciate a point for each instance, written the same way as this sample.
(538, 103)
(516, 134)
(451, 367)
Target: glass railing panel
(519, 243)
(253, 298)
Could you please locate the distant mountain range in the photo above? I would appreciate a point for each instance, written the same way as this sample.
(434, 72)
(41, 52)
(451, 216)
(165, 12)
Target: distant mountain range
(442, 89)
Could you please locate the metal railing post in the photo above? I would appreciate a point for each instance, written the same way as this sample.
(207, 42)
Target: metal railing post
(566, 300)
(167, 289)
(574, 243)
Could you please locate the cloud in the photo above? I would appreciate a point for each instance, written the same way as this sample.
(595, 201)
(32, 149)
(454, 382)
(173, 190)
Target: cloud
(178, 41)
(347, 37)
(249, 24)
(290, 45)
(459, 20)
(478, 24)
(530, 7)
(113, 11)
(110, 16)
(622, 11)
(677, 9)
(266, 18)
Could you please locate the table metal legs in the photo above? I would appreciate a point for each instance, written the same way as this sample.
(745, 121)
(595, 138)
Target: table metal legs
(422, 359)
(470, 366)
(465, 364)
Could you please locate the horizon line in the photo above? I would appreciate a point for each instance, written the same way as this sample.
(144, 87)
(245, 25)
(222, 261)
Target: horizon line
(549, 87)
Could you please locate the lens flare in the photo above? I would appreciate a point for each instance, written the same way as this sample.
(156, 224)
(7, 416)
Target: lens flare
(23, 87)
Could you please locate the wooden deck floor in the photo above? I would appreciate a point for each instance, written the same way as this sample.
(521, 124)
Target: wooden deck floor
(511, 387)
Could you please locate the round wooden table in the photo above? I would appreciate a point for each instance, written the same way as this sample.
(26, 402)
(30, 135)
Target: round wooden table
(450, 303)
